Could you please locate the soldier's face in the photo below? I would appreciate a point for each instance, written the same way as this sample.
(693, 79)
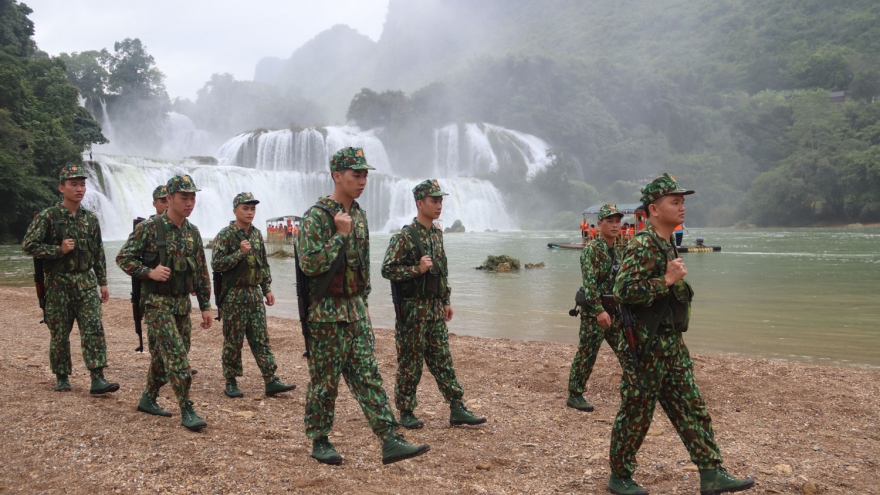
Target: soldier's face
(351, 182)
(430, 206)
(245, 212)
(160, 205)
(73, 189)
(181, 203)
(668, 210)
(610, 226)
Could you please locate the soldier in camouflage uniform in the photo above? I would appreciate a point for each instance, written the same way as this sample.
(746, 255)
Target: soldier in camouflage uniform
(240, 255)
(67, 238)
(416, 260)
(160, 201)
(598, 260)
(169, 275)
(651, 284)
(341, 337)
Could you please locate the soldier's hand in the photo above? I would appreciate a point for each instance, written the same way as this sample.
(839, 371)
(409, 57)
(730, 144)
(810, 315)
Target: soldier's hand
(343, 222)
(105, 294)
(245, 247)
(160, 273)
(448, 311)
(425, 263)
(604, 319)
(67, 245)
(270, 299)
(675, 271)
(206, 320)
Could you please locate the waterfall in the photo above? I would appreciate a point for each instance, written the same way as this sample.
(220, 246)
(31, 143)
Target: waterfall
(180, 138)
(106, 129)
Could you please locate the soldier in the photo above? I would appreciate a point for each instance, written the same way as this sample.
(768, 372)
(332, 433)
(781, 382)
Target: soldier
(166, 253)
(240, 255)
(417, 261)
(67, 238)
(160, 202)
(333, 250)
(651, 284)
(599, 264)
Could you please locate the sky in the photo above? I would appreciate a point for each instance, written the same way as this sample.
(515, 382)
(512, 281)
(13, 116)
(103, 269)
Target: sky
(192, 39)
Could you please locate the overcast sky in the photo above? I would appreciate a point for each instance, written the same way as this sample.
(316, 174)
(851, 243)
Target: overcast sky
(192, 39)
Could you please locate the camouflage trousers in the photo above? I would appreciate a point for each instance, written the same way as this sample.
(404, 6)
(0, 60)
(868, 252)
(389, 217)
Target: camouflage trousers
(343, 348)
(590, 339)
(669, 379)
(422, 342)
(168, 355)
(242, 321)
(62, 308)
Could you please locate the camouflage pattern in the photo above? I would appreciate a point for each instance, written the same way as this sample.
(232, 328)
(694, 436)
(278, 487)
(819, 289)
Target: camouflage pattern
(72, 171)
(244, 198)
(341, 340)
(71, 287)
(352, 158)
(597, 280)
(428, 187)
(181, 183)
(662, 186)
(244, 315)
(423, 337)
(159, 192)
(667, 372)
(168, 355)
(608, 210)
(317, 246)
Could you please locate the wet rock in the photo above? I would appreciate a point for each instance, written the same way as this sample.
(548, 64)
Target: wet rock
(502, 267)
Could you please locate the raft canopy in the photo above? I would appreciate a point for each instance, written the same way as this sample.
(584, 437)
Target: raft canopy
(627, 209)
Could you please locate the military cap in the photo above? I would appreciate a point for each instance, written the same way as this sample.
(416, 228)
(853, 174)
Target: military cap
(609, 211)
(662, 186)
(429, 187)
(352, 158)
(72, 171)
(181, 183)
(244, 198)
(159, 192)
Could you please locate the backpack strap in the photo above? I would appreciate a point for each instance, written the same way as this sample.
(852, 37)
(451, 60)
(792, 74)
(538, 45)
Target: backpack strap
(160, 238)
(410, 232)
(340, 257)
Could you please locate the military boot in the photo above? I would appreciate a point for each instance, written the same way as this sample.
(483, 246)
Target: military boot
(578, 402)
(323, 451)
(149, 405)
(410, 421)
(100, 385)
(63, 384)
(718, 480)
(276, 386)
(395, 448)
(459, 415)
(190, 419)
(624, 486)
(232, 389)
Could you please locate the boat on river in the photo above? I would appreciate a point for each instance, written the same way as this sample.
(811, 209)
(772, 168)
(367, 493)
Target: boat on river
(280, 232)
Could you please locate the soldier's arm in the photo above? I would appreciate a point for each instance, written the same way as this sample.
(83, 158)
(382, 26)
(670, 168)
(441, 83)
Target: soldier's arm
(447, 298)
(266, 286)
(369, 287)
(100, 258)
(202, 282)
(316, 253)
(591, 268)
(635, 282)
(33, 239)
(129, 256)
(227, 251)
(395, 266)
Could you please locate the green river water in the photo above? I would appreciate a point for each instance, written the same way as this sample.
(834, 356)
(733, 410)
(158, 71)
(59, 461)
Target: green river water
(810, 295)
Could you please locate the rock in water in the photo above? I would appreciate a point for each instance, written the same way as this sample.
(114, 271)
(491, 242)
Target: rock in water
(502, 267)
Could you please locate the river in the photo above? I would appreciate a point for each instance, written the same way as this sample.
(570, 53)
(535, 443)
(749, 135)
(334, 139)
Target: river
(807, 295)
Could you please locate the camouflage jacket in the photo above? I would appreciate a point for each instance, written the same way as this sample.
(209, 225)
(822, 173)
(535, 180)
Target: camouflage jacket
(183, 241)
(401, 263)
(640, 283)
(596, 267)
(317, 245)
(41, 241)
(227, 255)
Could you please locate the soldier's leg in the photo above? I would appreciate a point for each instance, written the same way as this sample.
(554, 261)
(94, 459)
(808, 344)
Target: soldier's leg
(616, 341)
(91, 331)
(361, 371)
(683, 404)
(589, 340)
(171, 352)
(410, 342)
(638, 397)
(186, 336)
(439, 360)
(327, 347)
(233, 339)
(254, 317)
(156, 373)
(59, 318)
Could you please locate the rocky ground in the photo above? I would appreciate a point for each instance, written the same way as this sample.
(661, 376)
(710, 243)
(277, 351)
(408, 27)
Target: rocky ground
(795, 428)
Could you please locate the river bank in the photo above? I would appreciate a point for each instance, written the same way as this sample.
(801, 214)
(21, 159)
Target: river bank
(794, 427)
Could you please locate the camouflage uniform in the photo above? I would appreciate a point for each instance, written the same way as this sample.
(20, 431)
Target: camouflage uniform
(596, 268)
(244, 314)
(666, 371)
(159, 192)
(422, 338)
(71, 280)
(168, 315)
(341, 340)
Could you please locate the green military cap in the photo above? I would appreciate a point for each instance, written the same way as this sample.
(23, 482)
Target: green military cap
(429, 187)
(181, 183)
(72, 171)
(159, 192)
(352, 158)
(662, 186)
(244, 198)
(608, 211)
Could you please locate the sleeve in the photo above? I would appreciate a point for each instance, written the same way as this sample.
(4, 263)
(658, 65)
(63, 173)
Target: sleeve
(636, 283)
(591, 270)
(394, 265)
(227, 254)
(202, 282)
(447, 298)
(315, 253)
(266, 286)
(33, 239)
(369, 287)
(100, 265)
(129, 256)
